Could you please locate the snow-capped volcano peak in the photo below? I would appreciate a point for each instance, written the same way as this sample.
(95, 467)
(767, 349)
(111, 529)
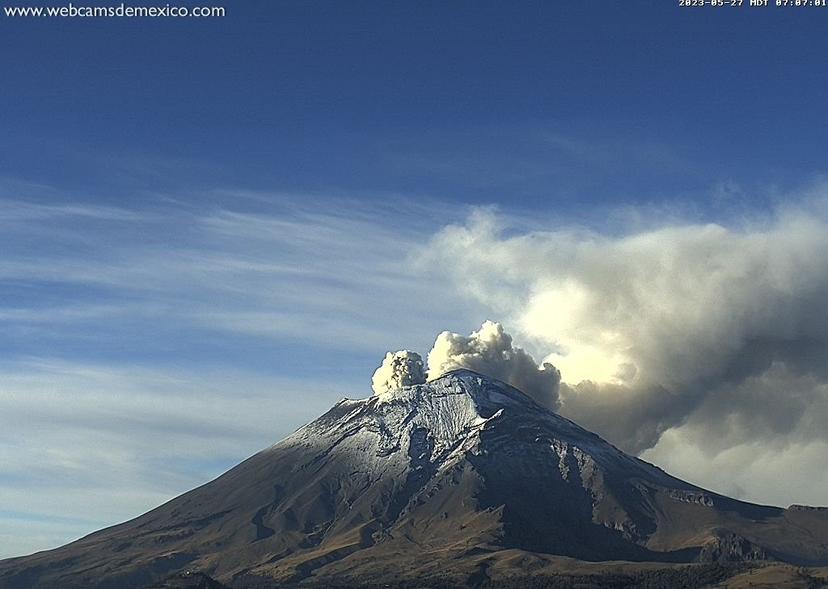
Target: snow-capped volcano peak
(462, 388)
(449, 407)
(447, 469)
(456, 415)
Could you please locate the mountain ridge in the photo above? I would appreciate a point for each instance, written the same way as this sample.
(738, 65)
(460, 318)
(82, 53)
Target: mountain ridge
(457, 469)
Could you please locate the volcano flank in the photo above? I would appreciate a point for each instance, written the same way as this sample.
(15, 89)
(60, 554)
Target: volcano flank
(460, 478)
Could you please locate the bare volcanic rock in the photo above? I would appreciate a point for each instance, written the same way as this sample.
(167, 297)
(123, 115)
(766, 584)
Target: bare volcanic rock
(188, 580)
(463, 474)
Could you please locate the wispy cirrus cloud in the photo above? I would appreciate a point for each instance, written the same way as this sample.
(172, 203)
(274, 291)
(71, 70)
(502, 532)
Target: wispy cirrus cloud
(151, 346)
(256, 272)
(87, 445)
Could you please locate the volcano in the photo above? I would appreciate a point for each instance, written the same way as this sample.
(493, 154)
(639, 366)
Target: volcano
(451, 477)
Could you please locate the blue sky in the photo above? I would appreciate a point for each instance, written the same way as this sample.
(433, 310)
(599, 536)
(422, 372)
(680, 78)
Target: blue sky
(210, 230)
(469, 101)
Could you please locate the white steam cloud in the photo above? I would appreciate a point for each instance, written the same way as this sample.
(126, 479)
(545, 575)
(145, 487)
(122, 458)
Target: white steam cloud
(719, 329)
(702, 347)
(398, 369)
(490, 351)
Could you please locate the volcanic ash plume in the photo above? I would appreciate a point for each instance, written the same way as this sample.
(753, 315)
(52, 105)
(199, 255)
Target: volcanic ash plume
(489, 351)
(399, 369)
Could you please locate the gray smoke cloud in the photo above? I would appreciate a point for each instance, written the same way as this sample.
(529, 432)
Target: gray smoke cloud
(398, 369)
(490, 351)
(715, 333)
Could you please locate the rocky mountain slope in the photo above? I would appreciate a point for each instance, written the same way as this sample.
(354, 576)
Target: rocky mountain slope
(455, 474)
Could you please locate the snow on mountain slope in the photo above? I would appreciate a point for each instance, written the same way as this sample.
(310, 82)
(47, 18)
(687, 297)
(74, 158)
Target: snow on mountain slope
(431, 473)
